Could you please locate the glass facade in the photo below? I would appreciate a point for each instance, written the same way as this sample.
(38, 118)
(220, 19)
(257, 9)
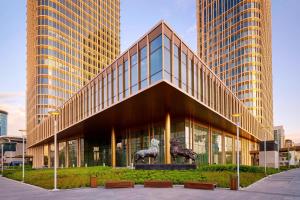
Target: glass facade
(3, 123)
(133, 71)
(144, 71)
(62, 151)
(134, 74)
(216, 148)
(234, 40)
(228, 150)
(167, 58)
(156, 60)
(72, 153)
(201, 144)
(68, 43)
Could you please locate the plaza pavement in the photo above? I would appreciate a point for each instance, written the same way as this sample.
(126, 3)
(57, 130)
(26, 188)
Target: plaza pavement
(283, 186)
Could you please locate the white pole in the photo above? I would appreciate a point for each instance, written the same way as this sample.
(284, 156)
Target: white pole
(238, 153)
(23, 160)
(55, 160)
(265, 144)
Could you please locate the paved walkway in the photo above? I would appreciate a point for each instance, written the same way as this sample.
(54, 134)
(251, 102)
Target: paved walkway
(283, 186)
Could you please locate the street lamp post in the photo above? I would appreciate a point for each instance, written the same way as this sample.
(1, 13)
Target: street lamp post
(55, 113)
(237, 115)
(265, 149)
(23, 156)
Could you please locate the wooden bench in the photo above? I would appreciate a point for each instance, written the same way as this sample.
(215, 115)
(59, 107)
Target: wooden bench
(118, 184)
(199, 185)
(158, 184)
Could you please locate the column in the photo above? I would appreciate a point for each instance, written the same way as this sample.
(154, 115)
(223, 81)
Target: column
(113, 148)
(167, 139)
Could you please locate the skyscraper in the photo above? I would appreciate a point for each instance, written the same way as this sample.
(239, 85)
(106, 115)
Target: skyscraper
(3, 122)
(234, 39)
(68, 43)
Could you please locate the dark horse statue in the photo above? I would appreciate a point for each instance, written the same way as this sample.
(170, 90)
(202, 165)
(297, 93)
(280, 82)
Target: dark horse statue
(177, 150)
(151, 152)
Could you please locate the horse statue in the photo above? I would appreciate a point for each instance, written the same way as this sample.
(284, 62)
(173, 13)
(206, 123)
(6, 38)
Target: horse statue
(152, 152)
(177, 150)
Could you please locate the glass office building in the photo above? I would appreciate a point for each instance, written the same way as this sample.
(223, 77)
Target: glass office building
(160, 89)
(68, 43)
(234, 40)
(3, 123)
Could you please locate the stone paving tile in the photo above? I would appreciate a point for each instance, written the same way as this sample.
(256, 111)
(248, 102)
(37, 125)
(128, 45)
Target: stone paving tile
(282, 186)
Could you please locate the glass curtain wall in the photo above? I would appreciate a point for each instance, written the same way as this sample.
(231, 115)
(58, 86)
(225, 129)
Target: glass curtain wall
(156, 60)
(97, 149)
(121, 149)
(72, 153)
(139, 139)
(183, 71)
(82, 152)
(62, 154)
(216, 147)
(201, 144)
(46, 155)
(158, 132)
(144, 71)
(167, 58)
(51, 155)
(176, 65)
(126, 81)
(228, 150)
(134, 74)
(178, 132)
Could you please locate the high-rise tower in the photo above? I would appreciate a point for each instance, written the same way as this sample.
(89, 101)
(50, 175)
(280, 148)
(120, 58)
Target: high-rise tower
(234, 39)
(68, 43)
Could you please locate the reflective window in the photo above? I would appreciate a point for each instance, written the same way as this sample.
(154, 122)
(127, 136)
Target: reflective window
(201, 144)
(72, 152)
(143, 56)
(176, 66)
(178, 132)
(62, 154)
(134, 74)
(46, 155)
(216, 148)
(190, 76)
(120, 80)
(156, 60)
(183, 70)
(104, 91)
(167, 58)
(228, 150)
(126, 75)
(196, 81)
(109, 88)
(115, 86)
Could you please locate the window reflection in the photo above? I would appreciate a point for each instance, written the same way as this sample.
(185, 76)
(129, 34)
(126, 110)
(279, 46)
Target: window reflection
(144, 73)
(176, 66)
(216, 148)
(126, 75)
(156, 60)
(167, 58)
(134, 74)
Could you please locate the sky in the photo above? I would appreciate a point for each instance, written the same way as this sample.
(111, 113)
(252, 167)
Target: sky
(137, 17)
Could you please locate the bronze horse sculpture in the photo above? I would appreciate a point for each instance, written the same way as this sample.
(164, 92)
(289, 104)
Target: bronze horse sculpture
(177, 150)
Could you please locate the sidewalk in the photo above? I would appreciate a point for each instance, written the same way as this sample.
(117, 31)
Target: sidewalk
(285, 185)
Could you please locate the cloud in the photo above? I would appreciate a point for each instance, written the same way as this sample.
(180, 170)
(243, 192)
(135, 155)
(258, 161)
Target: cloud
(14, 104)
